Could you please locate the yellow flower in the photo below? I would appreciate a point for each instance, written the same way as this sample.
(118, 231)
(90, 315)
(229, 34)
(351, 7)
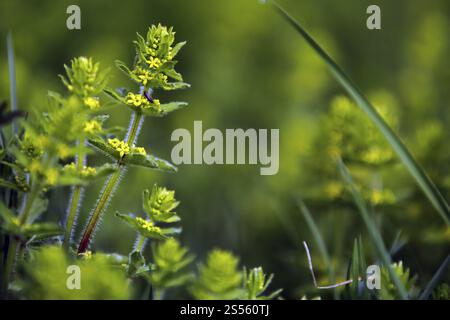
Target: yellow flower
(41, 142)
(88, 171)
(71, 166)
(136, 100)
(154, 62)
(143, 75)
(93, 126)
(63, 151)
(148, 225)
(35, 166)
(119, 146)
(140, 150)
(91, 103)
(51, 176)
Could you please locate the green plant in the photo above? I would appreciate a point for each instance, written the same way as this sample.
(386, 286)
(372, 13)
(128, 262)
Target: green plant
(51, 152)
(219, 278)
(153, 66)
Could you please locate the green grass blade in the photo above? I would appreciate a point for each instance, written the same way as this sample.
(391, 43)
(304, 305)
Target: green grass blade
(318, 238)
(436, 278)
(373, 231)
(422, 179)
(12, 78)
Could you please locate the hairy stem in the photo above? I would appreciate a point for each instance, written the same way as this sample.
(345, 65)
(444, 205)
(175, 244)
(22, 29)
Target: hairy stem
(134, 128)
(140, 243)
(100, 207)
(74, 204)
(110, 186)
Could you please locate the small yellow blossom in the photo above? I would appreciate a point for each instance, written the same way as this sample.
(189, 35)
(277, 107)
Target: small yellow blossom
(41, 142)
(91, 103)
(84, 172)
(70, 166)
(120, 146)
(144, 75)
(51, 176)
(154, 62)
(63, 150)
(148, 225)
(35, 166)
(88, 172)
(139, 150)
(136, 100)
(92, 127)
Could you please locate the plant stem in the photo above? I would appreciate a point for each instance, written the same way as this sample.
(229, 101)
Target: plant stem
(101, 205)
(111, 184)
(74, 204)
(134, 128)
(34, 192)
(14, 241)
(140, 243)
(158, 294)
(9, 265)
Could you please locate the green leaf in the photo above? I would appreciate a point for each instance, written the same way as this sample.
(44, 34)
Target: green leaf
(123, 67)
(136, 264)
(41, 230)
(148, 161)
(39, 206)
(102, 146)
(176, 48)
(136, 223)
(114, 95)
(10, 185)
(164, 109)
(357, 270)
(5, 213)
(176, 85)
(255, 283)
(416, 171)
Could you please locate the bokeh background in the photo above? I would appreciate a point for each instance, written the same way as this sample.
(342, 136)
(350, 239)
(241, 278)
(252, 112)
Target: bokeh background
(248, 69)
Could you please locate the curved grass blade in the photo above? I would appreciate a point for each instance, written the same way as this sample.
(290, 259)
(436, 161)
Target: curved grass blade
(318, 238)
(416, 171)
(12, 77)
(436, 278)
(373, 231)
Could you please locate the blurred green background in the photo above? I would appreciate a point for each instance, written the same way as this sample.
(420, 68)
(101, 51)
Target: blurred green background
(248, 69)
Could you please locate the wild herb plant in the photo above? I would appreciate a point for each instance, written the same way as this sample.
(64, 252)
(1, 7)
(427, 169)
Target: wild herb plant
(51, 151)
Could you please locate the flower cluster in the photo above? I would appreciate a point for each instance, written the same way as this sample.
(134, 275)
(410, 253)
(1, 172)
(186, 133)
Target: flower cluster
(140, 102)
(160, 203)
(85, 80)
(85, 171)
(120, 146)
(219, 278)
(123, 148)
(92, 127)
(155, 53)
(148, 225)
